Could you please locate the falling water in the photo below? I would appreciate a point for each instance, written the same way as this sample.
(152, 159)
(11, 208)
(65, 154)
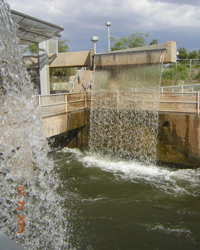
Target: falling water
(125, 103)
(23, 154)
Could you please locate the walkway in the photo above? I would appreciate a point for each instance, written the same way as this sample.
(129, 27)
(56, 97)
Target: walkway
(59, 110)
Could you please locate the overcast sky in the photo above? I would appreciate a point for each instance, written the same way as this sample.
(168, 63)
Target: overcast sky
(164, 20)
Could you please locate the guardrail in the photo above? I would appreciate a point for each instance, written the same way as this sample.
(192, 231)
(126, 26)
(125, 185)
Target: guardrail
(181, 88)
(181, 102)
(63, 102)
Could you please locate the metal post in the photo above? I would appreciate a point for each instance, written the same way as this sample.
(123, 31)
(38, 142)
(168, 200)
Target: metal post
(162, 91)
(65, 102)
(108, 24)
(94, 39)
(39, 101)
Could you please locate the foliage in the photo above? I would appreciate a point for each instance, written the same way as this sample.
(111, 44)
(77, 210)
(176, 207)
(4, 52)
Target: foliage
(182, 53)
(172, 75)
(155, 41)
(131, 41)
(193, 55)
(61, 74)
(62, 45)
(197, 76)
(34, 49)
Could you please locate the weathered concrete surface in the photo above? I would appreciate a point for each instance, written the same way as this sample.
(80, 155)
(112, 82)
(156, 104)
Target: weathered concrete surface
(55, 125)
(179, 139)
(136, 56)
(65, 59)
(178, 135)
(75, 137)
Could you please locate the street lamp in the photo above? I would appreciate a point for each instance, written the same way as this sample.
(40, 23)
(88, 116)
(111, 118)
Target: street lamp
(94, 39)
(108, 24)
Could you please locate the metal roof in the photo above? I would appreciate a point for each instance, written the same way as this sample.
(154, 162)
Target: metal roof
(33, 30)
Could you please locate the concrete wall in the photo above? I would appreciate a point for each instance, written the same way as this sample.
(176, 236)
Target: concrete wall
(55, 125)
(178, 136)
(77, 136)
(179, 139)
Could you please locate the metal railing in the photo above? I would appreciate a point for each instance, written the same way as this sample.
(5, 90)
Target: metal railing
(55, 104)
(181, 88)
(181, 102)
(191, 62)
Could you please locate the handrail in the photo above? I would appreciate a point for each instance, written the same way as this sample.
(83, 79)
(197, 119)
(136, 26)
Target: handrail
(181, 87)
(51, 107)
(169, 102)
(78, 75)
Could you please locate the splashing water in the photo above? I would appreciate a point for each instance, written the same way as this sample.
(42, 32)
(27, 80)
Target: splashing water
(23, 154)
(124, 111)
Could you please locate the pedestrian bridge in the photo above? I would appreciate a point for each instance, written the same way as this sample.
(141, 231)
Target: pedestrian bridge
(67, 111)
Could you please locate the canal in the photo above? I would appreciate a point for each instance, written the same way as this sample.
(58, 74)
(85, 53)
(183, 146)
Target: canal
(118, 204)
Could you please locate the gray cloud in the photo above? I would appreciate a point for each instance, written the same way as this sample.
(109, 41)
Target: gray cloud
(179, 2)
(81, 20)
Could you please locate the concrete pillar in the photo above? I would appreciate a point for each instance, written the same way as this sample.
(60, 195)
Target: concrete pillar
(44, 68)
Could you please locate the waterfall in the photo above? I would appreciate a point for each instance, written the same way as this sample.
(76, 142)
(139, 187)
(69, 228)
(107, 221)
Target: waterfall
(125, 103)
(24, 165)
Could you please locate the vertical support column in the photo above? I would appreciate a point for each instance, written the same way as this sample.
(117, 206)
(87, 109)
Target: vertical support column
(39, 101)
(198, 102)
(44, 67)
(65, 102)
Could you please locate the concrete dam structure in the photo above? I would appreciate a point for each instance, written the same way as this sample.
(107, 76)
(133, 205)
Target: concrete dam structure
(128, 93)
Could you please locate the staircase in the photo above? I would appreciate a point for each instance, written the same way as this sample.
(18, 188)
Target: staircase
(83, 81)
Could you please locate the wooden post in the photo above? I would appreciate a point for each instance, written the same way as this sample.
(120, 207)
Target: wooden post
(198, 102)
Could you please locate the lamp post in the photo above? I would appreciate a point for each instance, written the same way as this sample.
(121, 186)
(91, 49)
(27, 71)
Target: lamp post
(108, 24)
(94, 39)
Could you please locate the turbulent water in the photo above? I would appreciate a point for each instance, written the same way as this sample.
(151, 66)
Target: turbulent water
(129, 205)
(102, 199)
(23, 155)
(124, 109)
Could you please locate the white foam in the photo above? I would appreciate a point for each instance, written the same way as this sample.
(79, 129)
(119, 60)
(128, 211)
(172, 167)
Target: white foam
(176, 181)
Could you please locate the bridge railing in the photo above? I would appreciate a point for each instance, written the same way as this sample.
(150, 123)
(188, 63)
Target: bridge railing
(181, 102)
(55, 104)
(181, 88)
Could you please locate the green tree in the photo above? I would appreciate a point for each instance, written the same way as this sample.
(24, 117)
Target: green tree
(33, 49)
(193, 54)
(131, 41)
(62, 45)
(155, 41)
(183, 54)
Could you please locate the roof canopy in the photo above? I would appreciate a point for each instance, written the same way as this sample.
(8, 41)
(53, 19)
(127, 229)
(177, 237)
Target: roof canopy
(32, 30)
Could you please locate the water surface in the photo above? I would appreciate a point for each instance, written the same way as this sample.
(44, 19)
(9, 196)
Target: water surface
(127, 205)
